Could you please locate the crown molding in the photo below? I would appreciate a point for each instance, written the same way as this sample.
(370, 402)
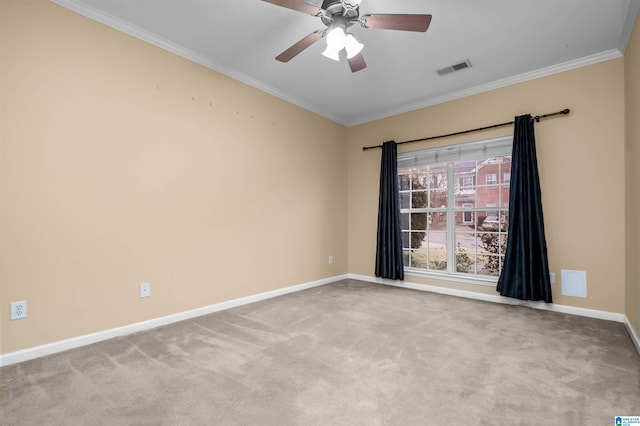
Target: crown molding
(498, 84)
(629, 23)
(139, 33)
(126, 27)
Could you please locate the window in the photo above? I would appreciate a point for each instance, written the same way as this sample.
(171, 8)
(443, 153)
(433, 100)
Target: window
(491, 179)
(506, 177)
(466, 181)
(457, 229)
(467, 214)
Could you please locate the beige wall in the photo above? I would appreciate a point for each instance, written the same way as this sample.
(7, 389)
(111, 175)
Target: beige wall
(581, 161)
(121, 163)
(632, 91)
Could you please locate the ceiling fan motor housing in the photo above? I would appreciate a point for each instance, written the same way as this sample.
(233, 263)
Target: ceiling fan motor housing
(334, 10)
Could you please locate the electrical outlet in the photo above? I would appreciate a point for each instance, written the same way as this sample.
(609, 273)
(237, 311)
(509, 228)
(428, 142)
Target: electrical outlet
(330, 260)
(18, 310)
(552, 277)
(145, 290)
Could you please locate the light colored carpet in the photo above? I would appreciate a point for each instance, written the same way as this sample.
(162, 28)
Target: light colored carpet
(348, 353)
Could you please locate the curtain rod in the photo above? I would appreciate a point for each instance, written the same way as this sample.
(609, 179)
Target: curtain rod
(536, 118)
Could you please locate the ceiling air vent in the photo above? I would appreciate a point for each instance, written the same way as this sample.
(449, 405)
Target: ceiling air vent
(453, 68)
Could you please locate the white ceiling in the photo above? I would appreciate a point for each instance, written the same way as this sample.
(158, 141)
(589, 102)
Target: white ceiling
(506, 41)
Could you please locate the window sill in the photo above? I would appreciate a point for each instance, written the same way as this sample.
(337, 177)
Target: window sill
(459, 278)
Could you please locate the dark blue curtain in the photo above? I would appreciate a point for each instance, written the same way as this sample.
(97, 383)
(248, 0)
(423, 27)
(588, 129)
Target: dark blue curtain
(525, 274)
(389, 241)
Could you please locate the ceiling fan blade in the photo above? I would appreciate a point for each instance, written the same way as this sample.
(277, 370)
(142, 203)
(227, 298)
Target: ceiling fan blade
(357, 63)
(402, 22)
(298, 5)
(298, 47)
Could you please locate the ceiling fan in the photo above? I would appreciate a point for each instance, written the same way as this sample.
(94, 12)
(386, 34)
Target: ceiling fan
(338, 16)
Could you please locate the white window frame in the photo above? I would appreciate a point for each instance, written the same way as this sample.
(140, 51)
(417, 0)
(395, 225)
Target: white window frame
(497, 147)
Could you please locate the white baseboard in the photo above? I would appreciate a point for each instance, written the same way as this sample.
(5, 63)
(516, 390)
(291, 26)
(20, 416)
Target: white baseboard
(592, 313)
(76, 342)
(632, 333)
(572, 310)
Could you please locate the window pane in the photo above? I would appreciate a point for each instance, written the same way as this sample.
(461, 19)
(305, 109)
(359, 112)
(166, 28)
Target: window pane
(489, 196)
(404, 200)
(438, 186)
(466, 240)
(404, 221)
(438, 176)
(465, 261)
(465, 172)
(419, 199)
(491, 247)
(493, 220)
(438, 260)
(406, 255)
(419, 221)
(504, 196)
(417, 238)
(438, 221)
(437, 241)
(506, 167)
(404, 182)
(489, 265)
(438, 199)
(419, 259)
(420, 178)
(405, 240)
(465, 178)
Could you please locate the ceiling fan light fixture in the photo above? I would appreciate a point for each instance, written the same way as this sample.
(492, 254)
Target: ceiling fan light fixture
(338, 16)
(352, 46)
(332, 53)
(336, 38)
